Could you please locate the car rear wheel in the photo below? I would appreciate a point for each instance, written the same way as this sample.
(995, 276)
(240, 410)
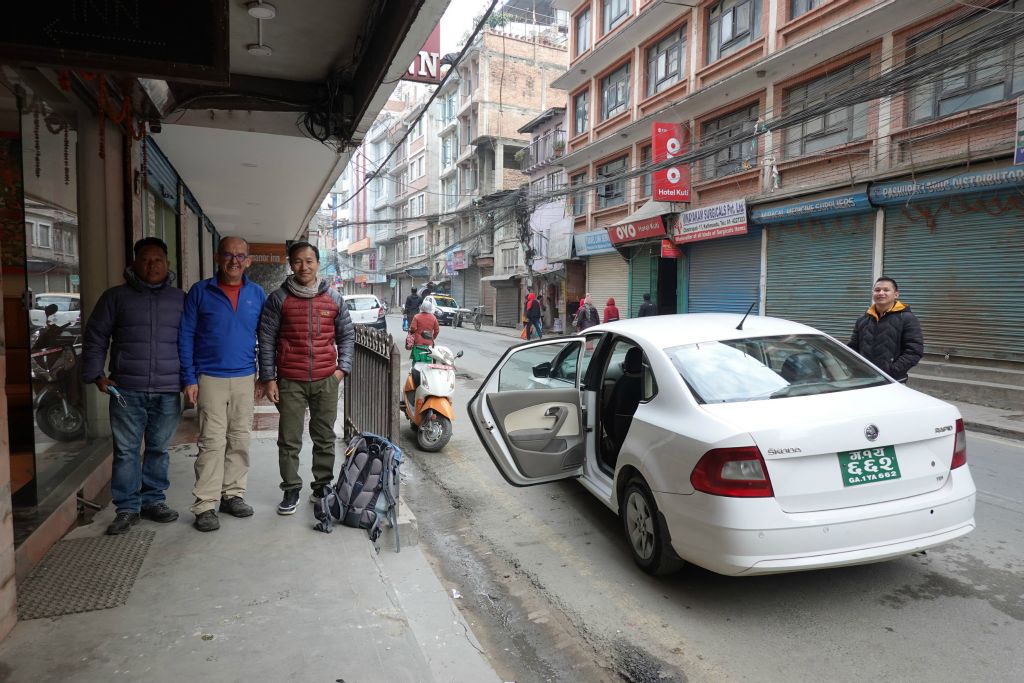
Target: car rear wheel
(645, 531)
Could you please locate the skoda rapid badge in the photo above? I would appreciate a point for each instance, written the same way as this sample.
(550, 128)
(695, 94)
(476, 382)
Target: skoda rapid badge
(871, 431)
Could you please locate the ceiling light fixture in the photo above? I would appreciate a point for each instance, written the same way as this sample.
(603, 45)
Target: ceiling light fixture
(258, 49)
(261, 10)
(249, 164)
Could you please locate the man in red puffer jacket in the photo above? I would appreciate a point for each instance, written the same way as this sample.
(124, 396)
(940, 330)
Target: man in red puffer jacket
(306, 344)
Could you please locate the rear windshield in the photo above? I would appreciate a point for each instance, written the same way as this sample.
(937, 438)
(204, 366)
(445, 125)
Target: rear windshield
(363, 303)
(761, 368)
(63, 303)
(446, 301)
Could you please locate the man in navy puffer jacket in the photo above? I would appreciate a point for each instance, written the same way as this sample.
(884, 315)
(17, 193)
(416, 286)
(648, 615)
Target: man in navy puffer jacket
(142, 318)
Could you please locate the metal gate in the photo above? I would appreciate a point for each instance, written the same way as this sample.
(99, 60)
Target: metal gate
(372, 388)
(724, 273)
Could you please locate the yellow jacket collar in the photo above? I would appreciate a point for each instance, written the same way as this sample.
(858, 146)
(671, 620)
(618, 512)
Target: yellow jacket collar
(896, 308)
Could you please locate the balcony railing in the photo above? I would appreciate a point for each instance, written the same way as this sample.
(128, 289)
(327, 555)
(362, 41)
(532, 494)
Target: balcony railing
(543, 150)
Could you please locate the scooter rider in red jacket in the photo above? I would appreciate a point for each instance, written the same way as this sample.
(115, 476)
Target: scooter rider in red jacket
(306, 344)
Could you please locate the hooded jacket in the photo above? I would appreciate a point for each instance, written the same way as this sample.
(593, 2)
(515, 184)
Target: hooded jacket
(305, 340)
(892, 341)
(142, 320)
(611, 311)
(532, 307)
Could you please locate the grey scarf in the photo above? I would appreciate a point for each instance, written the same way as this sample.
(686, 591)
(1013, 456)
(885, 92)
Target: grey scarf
(303, 292)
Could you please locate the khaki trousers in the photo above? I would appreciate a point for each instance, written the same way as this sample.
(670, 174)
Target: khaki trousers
(225, 409)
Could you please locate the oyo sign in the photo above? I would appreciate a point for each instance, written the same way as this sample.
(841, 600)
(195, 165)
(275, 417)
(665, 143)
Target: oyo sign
(670, 184)
(426, 66)
(638, 230)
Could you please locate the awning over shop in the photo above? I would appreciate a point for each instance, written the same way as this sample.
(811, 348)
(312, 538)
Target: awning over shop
(645, 223)
(419, 271)
(502, 277)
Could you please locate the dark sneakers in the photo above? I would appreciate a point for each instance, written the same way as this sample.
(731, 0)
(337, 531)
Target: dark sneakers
(319, 493)
(123, 523)
(159, 513)
(207, 521)
(288, 503)
(235, 506)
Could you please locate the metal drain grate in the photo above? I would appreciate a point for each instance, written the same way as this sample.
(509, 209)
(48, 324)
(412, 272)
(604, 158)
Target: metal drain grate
(84, 574)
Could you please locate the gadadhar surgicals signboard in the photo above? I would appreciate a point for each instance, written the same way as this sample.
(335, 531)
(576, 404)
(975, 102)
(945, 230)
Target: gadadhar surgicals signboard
(711, 222)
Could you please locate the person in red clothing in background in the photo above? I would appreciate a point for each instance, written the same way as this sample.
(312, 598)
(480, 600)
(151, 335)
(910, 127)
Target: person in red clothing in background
(611, 313)
(425, 327)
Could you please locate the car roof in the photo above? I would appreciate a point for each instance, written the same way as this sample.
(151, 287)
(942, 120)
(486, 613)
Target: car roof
(358, 296)
(73, 295)
(664, 331)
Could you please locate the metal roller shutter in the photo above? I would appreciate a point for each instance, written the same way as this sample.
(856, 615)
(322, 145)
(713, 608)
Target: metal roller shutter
(459, 287)
(958, 265)
(507, 306)
(819, 271)
(642, 278)
(471, 285)
(724, 274)
(160, 175)
(607, 276)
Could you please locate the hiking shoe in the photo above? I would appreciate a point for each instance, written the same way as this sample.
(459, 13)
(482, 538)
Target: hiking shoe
(207, 521)
(235, 506)
(159, 513)
(288, 503)
(123, 523)
(319, 493)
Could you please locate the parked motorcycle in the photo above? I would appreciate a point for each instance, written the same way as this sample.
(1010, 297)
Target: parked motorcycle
(57, 392)
(428, 395)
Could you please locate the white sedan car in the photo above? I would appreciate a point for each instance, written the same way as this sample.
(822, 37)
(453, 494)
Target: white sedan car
(765, 449)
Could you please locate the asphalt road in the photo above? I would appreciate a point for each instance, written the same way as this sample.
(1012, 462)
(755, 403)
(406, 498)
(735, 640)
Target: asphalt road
(549, 587)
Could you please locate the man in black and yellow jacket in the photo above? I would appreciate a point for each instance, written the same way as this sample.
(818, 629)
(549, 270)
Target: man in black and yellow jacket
(888, 334)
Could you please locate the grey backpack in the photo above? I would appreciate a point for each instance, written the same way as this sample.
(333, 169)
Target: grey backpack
(365, 496)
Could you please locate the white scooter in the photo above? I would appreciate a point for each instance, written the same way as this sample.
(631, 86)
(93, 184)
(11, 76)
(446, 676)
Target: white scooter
(428, 395)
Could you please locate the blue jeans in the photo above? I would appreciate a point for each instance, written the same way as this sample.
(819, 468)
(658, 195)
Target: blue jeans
(533, 325)
(140, 482)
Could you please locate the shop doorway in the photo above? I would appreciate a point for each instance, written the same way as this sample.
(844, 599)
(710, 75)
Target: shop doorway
(668, 286)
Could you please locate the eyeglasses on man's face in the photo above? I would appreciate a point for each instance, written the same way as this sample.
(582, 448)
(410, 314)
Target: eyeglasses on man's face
(228, 256)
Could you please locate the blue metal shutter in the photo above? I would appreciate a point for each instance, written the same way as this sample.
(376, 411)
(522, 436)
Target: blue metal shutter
(161, 176)
(724, 274)
(642, 278)
(958, 265)
(819, 271)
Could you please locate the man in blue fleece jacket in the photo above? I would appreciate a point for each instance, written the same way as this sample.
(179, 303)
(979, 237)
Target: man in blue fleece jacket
(217, 344)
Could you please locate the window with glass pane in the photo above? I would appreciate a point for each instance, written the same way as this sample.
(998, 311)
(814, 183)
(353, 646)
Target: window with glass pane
(645, 179)
(615, 92)
(583, 32)
(614, 12)
(732, 24)
(579, 199)
(612, 193)
(581, 112)
(833, 128)
(666, 62)
(984, 77)
(732, 154)
(798, 7)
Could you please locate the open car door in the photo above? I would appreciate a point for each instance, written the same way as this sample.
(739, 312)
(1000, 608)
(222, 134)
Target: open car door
(528, 413)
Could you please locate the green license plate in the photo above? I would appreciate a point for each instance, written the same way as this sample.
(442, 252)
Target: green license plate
(869, 465)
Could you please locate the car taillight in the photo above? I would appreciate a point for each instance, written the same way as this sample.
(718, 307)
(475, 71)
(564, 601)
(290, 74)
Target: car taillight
(959, 446)
(733, 472)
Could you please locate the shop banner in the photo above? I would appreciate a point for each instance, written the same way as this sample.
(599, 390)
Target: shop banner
(426, 65)
(268, 252)
(946, 185)
(829, 206)
(671, 184)
(1018, 148)
(593, 242)
(638, 230)
(712, 222)
(670, 250)
(459, 260)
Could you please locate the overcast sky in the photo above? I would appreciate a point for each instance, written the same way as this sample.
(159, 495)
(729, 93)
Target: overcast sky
(458, 20)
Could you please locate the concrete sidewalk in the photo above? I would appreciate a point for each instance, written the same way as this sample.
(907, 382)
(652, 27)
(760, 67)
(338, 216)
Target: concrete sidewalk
(264, 598)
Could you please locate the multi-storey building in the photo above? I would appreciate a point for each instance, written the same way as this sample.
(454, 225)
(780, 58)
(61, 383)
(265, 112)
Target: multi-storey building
(842, 138)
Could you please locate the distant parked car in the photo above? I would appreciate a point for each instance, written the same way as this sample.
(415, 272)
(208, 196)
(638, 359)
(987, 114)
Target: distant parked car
(366, 309)
(445, 308)
(69, 309)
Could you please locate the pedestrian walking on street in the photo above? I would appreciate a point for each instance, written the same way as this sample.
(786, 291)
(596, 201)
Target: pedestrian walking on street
(217, 342)
(587, 316)
(424, 327)
(533, 312)
(889, 334)
(647, 308)
(141, 318)
(307, 341)
(611, 311)
(411, 308)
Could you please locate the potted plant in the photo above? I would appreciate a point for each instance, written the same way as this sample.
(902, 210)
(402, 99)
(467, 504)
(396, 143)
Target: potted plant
(520, 155)
(559, 147)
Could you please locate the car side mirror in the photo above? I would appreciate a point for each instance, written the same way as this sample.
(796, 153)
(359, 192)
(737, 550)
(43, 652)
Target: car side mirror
(459, 354)
(542, 369)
